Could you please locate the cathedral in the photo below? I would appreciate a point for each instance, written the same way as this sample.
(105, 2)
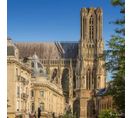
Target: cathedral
(59, 76)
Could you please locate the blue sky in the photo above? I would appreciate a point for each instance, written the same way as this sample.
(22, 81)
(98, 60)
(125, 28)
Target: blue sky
(54, 20)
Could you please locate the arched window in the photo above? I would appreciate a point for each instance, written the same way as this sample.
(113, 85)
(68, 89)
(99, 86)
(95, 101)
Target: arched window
(88, 79)
(16, 72)
(39, 65)
(65, 83)
(74, 80)
(27, 90)
(17, 106)
(42, 93)
(91, 27)
(84, 26)
(76, 108)
(32, 64)
(93, 73)
(90, 75)
(32, 107)
(41, 72)
(10, 51)
(98, 82)
(18, 91)
(32, 93)
(54, 74)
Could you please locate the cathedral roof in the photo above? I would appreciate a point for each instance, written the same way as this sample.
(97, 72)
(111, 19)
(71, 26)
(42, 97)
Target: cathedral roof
(70, 49)
(104, 91)
(101, 91)
(48, 50)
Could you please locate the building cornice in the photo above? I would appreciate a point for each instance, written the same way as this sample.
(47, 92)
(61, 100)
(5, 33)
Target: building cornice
(22, 65)
(49, 86)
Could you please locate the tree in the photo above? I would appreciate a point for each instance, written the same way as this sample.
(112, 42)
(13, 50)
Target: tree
(67, 115)
(115, 56)
(107, 114)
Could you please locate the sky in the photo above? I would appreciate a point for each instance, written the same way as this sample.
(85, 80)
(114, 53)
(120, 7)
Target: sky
(54, 20)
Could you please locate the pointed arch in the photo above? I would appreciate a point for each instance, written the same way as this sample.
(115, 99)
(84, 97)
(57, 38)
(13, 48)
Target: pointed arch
(92, 24)
(76, 108)
(65, 83)
(54, 74)
(88, 78)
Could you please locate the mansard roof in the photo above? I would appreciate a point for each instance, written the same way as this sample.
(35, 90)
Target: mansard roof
(48, 50)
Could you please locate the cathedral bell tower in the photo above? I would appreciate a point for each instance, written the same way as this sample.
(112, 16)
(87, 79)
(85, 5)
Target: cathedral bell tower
(90, 73)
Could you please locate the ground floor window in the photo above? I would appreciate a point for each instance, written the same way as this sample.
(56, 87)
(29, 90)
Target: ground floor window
(42, 106)
(32, 107)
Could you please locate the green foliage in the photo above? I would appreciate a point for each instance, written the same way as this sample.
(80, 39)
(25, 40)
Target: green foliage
(118, 2)
(115, 56)
(118, 92)
(68, 115)
(108, 114)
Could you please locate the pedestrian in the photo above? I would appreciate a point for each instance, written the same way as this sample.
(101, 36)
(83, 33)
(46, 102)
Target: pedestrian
(29, 115)
(39, 112)
(32, 115)
(35, 114)
(53, 115)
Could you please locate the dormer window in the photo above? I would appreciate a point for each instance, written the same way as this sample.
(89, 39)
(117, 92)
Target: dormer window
(32, 65)
(54, 74)
(10, 51)
(39, 65)
(41, 71)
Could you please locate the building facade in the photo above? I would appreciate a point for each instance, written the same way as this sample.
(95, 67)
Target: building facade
(29, 87)
(45, 93)
(105, 99)
(66, 75)
(90, 73)
(105, 103)
(18, 83)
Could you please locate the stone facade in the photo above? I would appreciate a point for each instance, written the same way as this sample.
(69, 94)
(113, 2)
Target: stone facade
(105, 99)
(106, 102)
(48, 96)
(18, 84)
(90, 73)
(29, 87)
(67, 74)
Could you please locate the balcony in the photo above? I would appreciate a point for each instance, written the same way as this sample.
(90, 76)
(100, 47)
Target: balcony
(24, 96)
(61, 62)
(23, 80)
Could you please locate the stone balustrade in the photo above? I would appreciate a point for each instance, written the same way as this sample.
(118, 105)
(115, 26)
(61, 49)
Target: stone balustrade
(61, 62)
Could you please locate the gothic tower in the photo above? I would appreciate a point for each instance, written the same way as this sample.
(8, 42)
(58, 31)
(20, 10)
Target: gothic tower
(90, 73)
